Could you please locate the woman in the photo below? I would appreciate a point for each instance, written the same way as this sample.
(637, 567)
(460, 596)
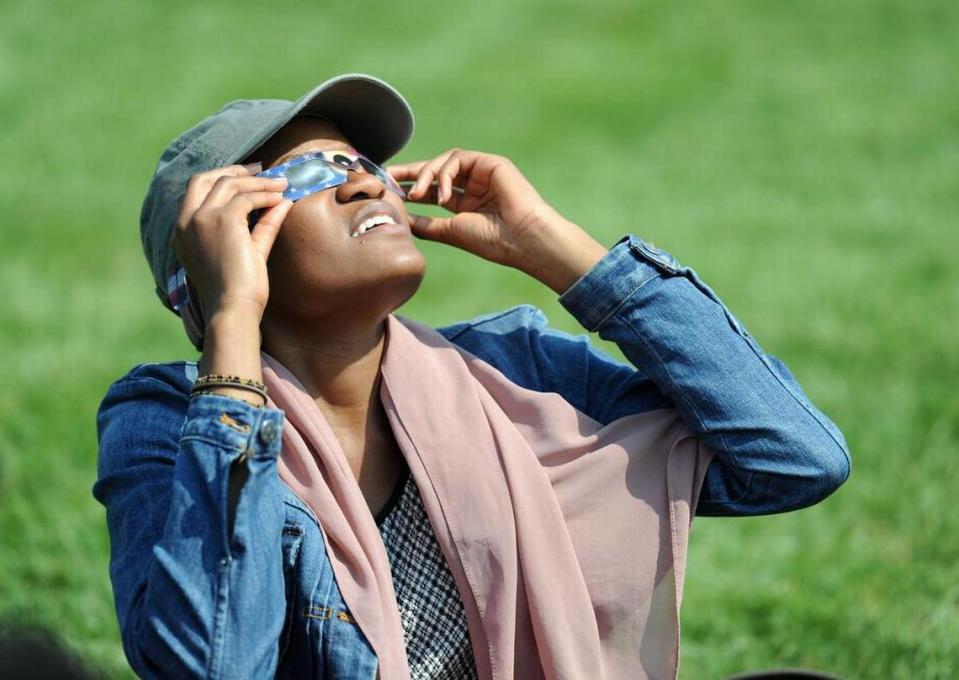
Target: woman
(353, 494)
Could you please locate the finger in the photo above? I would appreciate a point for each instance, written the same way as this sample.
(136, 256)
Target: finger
(266, 229)
(406, 171)
(427, 197)
(226, 187)
(432, 228)
(428, 172)
(424, 179)
(243, 204)
(445, 176)
(200, 185)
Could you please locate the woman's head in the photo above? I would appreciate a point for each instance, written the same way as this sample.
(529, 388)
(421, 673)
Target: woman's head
(311, 270)
(319, 266)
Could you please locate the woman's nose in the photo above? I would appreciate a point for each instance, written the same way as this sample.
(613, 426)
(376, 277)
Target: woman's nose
(360, 185)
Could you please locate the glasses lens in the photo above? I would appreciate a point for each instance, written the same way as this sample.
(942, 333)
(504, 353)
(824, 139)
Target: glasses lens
(309, 174)
(343, 160)
(371, 167)
(381, 175)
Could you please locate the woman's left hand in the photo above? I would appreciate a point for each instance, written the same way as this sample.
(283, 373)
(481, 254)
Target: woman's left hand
(498, 215)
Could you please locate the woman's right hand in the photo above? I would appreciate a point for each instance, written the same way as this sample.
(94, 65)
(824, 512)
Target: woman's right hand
(224, 260)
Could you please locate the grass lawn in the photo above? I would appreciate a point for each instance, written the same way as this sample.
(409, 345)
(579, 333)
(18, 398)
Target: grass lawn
(802, 157)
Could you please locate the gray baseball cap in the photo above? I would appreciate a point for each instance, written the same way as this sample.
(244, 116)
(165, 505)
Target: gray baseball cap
(372, 114)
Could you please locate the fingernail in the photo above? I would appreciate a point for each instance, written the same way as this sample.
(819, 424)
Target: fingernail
(253, 168)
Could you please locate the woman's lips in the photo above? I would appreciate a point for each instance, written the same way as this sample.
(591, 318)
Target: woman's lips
(375, 214)
(390, 228)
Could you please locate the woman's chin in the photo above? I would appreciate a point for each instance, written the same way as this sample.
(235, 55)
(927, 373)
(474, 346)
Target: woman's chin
(390, 285)
(406, 280)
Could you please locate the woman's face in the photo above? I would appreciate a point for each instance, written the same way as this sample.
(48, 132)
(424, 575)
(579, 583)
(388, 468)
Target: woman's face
(316, 267)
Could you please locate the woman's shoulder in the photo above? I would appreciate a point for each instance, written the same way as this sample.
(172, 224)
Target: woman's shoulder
(520, 343)
(156, 386)
(142, 413)
(521, 318)
(175, 374)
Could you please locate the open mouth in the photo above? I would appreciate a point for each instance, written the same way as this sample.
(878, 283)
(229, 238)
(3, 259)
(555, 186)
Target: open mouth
(371, 223)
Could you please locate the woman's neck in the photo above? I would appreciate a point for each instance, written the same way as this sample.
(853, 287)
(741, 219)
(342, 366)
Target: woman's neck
(340, 369)
(338, 364)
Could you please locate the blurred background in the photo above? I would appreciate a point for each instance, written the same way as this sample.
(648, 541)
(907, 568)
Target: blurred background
(802, 157)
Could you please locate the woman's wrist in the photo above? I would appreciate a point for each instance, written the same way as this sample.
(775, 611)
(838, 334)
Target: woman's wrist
(231, 346)
(561, 254)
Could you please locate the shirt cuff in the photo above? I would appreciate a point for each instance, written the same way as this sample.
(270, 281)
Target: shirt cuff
(234, 424)
(629, 265)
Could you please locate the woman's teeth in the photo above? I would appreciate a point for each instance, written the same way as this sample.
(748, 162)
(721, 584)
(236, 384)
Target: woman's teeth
(371, 222)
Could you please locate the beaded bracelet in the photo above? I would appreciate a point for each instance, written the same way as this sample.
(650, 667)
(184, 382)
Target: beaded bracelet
(232, 379)
(214, 380)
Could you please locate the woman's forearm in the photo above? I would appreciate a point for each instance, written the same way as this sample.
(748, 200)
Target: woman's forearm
(562, 254)
(776, 450)
(231, 346)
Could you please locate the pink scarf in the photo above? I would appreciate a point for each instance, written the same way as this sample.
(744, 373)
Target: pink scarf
(566, 538)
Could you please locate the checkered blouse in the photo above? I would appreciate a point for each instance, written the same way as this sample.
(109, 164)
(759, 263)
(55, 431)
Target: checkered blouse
(434, 623)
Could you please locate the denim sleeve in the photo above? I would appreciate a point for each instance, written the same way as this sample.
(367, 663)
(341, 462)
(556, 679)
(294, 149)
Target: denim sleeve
(774, 450)
(198, 587)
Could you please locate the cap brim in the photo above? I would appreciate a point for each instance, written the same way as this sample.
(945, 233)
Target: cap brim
(375, 118)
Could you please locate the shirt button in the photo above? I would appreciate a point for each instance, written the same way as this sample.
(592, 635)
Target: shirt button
(268, 432)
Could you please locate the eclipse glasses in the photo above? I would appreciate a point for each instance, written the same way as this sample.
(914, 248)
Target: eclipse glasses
(320, 170)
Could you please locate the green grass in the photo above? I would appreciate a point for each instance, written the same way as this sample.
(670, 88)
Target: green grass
(801, 156)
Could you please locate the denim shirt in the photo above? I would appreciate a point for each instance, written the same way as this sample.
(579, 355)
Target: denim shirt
(203, 591)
